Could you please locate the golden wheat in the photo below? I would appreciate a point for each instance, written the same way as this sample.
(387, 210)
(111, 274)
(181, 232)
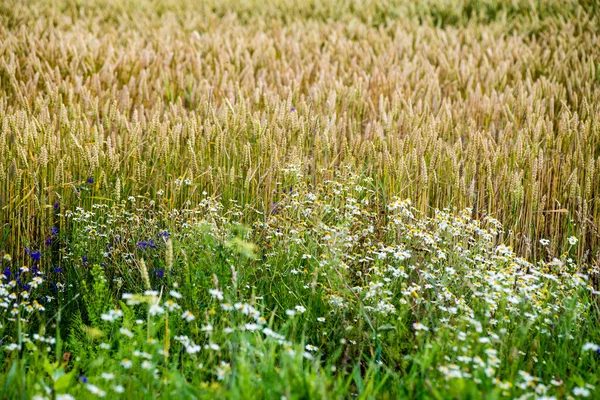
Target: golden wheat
(225, 98)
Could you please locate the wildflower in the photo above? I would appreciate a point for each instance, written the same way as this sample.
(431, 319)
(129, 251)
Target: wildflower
(146, 244)
(213, 346)
(310, 347)
(175, 294)
(420, 327)
(155, 309)
(573, 241)
(216, 294)
(35, 255)
(581, 391)
(126, 363)
(90, 180)
(544, 242)
(96, 390)
(131, 299)
(321, 319)
(11, 347)
(188, 316)
(160, 273)
(251, 327)
(290, 313)
(146, 365)
(590, 346)
(112, 315)
(7, 257)
(270, 332)
(300, 309)
(171, 305)
(126, 332)
(223, 370)
(108, 376)
(137, 353)
(118, 389)
(54, 231)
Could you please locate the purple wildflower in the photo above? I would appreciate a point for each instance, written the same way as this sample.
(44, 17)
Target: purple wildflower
(160, 273)
(149, 244)
(35, 255)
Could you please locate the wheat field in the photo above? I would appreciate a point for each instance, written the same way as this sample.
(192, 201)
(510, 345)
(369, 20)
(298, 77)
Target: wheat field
(312, 157)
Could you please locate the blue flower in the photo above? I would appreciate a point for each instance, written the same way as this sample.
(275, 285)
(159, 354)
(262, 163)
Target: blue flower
(54, 231)
(84, 260)
(274, 208)
(35, 255)
(58, 270)
(90, 180)
(83, 379)
(7, 272)
(48, 241)
(56, 206)
(160, 273)
(143, 245)
(164, 234)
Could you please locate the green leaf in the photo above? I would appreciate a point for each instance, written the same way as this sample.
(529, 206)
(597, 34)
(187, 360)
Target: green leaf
(64, 382)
